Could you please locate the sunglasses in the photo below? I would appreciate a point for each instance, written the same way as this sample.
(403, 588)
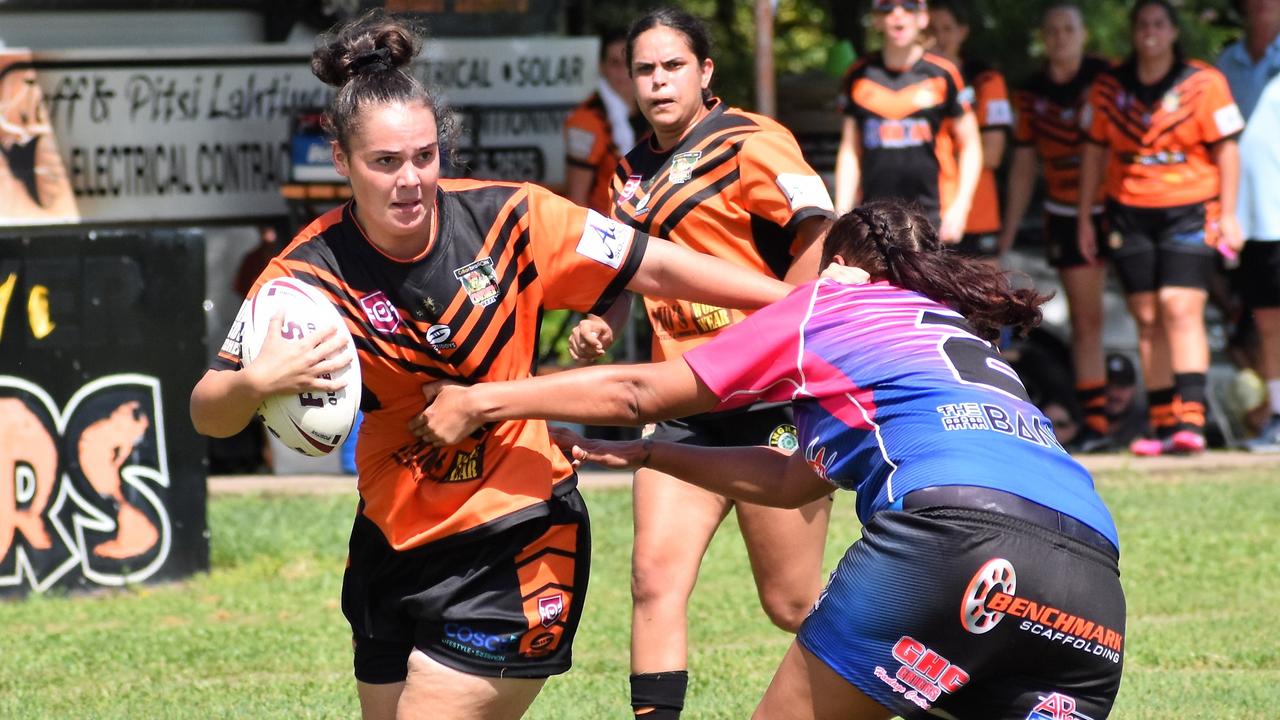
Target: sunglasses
(887, 6)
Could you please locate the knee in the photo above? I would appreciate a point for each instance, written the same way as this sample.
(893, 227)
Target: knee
(651, 580)
(786, 610)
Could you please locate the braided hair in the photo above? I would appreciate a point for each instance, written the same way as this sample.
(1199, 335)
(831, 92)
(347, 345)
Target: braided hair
(895, 242)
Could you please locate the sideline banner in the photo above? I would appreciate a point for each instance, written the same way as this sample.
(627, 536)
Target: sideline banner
(102, 477)
(189, 135)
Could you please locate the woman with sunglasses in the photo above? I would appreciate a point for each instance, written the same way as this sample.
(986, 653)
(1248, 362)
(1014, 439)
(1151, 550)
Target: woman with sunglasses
(732, 184)
(1163, 129)
(897, 103)
(986, 582)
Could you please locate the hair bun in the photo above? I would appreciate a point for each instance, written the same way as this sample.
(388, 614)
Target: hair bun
(375, 42)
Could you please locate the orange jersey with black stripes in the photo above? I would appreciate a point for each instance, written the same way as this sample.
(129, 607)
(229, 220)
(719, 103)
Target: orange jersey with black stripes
(899, 116)
(1048, 119)
(1161, 135)
(736, 187)
(466, 309)
(588, 141)
(994, 113)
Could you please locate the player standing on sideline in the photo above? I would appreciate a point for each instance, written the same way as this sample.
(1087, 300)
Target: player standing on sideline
(468, 563)
(600, 130)
(1250, 67)
(896, 104)
(949, 25)
(732, 184)
(1048, 110)
(986, 582)
(1163, 128)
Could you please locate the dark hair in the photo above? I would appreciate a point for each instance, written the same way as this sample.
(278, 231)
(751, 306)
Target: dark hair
(1069, 5)
(894, 241)
(609, 37)
(959, 10)
(1169, 12)
(694, 32)
(365, 59)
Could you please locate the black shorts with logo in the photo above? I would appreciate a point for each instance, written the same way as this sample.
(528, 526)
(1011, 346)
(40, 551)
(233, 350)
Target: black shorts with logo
(978, 245)
(1154, 248)
(764, 424)
(1258, 277)
(499, 603)
(974, 615)
(1061, 245)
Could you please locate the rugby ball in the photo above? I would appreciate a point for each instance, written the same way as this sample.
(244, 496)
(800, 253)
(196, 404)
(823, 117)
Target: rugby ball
(312, 423)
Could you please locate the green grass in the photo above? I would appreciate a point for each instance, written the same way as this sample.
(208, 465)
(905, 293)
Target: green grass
(262, 636)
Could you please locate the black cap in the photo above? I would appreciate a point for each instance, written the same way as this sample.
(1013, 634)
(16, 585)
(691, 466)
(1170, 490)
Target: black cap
(1120, 370)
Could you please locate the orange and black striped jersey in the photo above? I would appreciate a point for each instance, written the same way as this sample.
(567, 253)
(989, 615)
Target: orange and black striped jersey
(994, 113)
(736, 187)
(1049, 119)
(1161, 135)
(588, 141)
(899, 116)
(468, 308)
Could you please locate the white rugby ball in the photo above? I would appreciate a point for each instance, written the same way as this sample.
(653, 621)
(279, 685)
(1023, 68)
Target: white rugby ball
(313, 423)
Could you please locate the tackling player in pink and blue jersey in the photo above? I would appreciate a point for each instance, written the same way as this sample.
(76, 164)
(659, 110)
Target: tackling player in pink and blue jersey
(986, 581)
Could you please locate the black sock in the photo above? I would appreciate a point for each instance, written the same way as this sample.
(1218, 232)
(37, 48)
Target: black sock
(1192, 394)
(659, 696)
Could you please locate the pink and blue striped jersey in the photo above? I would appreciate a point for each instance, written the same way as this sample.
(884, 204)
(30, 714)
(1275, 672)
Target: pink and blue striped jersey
(893, 392)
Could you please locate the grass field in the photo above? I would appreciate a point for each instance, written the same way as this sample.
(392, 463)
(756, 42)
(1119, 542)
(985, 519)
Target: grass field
(261, 636)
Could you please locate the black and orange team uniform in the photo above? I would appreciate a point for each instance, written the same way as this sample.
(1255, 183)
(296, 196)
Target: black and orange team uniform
(991, 105)
(477, 554)
(589, 144)
(1048, 119)
(736, 187)
(1162, 192)
(900, 115)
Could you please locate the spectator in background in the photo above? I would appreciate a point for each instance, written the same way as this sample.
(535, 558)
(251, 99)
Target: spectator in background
(1163, 128)
(949, 25)
(1048, 128)
(1251, 66)
(602, 129)
(1126, 413)
(896, 104)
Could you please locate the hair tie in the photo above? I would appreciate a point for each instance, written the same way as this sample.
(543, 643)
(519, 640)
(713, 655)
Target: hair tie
(376, 60)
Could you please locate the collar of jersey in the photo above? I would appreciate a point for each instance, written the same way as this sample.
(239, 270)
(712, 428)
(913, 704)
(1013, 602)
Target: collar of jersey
(433, 233)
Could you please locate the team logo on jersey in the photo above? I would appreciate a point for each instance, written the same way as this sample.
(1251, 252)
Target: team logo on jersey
(1056, 707)
(550, 608)
(1170, 102)
(927, 97)
(480, 281)
(438, 336)
(629, 189)
(467, 465)
(381, 313)
(784, 437)
(682, 166)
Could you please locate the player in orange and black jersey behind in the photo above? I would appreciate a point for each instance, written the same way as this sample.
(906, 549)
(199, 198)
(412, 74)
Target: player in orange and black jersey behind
(732, 184)
(1048, 108)
(468, 564)
(896, 104)
(601, 129)
(1163, 128)
(949, 28)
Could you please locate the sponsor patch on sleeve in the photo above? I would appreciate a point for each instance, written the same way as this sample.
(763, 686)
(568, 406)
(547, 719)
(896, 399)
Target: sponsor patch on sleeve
(965, 96)
(605, 241)
(1228, 119)
(1086, 116)
(998, 113)
(231, 346)
(805, 191)
(579, 143)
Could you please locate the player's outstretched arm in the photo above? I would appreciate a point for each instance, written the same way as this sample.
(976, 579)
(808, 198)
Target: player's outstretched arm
(668, 270)
(753, 474)
(600, 395)
(224, 401)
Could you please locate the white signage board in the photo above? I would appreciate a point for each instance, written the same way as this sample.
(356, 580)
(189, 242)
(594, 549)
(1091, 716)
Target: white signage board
(171, 135)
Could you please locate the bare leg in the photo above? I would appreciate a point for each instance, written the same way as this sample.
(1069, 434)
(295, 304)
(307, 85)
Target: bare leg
(785, 547)
(1083, 285)
(804, 688)
(1153, 344)
(1182, 316)
(378, 702)
(433, 690)
(674, 522)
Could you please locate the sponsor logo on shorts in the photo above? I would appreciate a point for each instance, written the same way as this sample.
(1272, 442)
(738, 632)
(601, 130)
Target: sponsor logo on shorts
(816, 456)
(489, 646)
(784, 437)
(549, 608)
(924, 674)
(381, 313)
(990, 596)
(1056, 707)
